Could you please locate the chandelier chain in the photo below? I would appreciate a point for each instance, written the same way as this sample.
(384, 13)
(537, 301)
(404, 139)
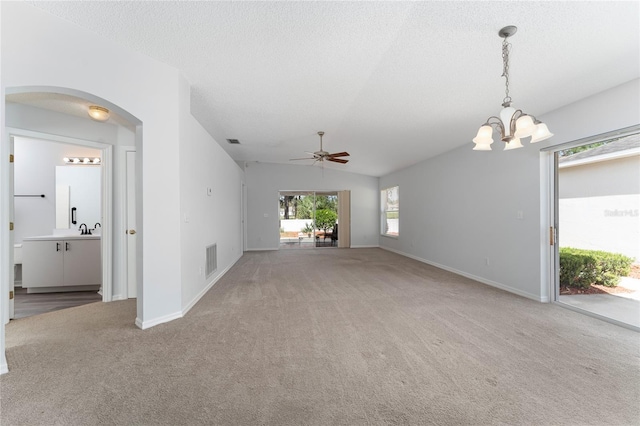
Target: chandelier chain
(506, 47)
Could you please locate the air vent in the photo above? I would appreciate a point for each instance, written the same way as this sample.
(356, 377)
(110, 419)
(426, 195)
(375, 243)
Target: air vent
(211, 257)
(233, 141)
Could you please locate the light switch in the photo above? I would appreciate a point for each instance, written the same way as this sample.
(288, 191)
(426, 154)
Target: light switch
(266, 215)
(209, 191)
(520, 215)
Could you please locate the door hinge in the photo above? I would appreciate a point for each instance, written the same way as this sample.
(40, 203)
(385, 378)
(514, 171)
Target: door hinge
(11, 295)
(552, 239)
(11, 158)
(10, 226)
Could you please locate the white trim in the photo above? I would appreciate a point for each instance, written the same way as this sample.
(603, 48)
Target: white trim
(204, 291)
(4, 368)
(160, 320)
(473, 277)
(366, 246)
(107, 196)
(598, 158)
(263, 249)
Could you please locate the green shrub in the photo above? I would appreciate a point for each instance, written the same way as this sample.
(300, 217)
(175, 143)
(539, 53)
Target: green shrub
(604, 268)
(576, 270)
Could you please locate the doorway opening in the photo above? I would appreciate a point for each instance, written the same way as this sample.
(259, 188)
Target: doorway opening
(57, 225)
(597, 221)
(313, 219)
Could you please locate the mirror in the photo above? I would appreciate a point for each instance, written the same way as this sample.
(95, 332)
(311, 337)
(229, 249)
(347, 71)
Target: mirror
(78, 187)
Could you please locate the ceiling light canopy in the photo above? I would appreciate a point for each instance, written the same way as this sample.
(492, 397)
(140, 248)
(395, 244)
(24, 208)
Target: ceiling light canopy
(98, 113)
(512, 124)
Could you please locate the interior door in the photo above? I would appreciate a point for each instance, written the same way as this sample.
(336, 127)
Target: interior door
(131, 224)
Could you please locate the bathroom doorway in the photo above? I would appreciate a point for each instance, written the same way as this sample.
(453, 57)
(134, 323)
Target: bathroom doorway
(58, 215)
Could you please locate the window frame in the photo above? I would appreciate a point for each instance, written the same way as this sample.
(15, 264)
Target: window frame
(385, 210)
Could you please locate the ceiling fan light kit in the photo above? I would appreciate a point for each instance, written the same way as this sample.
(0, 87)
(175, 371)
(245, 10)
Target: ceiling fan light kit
(323, 155)
(512, 124)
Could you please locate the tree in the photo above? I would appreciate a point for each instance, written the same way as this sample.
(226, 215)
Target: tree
(305, 208)
(325, 219)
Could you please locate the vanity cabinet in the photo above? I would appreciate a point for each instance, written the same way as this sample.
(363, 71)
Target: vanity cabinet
(61, 262)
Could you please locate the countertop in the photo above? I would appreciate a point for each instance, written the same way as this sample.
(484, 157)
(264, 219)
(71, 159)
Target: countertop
(62, 237)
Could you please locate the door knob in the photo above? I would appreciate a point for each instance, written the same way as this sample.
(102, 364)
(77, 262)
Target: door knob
(132, 231)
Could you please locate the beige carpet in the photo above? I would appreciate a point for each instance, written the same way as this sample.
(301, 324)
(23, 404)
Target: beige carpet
(326, 337)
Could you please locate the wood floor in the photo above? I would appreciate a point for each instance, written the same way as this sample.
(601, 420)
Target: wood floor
(27, 305)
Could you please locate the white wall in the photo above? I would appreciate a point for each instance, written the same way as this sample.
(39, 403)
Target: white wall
(265, 180)
(460, 210)
(52, 123)
(41, 50)
(35, 173)
(206, 219)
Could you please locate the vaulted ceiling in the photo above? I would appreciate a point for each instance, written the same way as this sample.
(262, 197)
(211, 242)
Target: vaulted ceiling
(392, 83)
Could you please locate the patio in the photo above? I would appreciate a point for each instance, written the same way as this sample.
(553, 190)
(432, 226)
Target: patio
(623, 307)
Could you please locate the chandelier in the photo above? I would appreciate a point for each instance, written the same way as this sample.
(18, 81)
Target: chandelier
(512, 124)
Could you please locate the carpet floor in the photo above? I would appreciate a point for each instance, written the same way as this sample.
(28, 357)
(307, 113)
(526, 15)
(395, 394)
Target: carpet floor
(325, 337)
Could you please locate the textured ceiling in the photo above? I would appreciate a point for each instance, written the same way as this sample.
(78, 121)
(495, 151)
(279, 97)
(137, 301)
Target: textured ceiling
(393, 83)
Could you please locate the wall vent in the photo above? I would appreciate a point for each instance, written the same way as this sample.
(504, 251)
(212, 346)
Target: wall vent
(211, 259)
(233, 141)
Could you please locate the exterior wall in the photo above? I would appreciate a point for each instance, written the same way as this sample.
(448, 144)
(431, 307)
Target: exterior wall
(600, 206)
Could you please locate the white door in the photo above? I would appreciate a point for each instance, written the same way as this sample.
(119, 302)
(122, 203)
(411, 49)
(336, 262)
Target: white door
(131, 224)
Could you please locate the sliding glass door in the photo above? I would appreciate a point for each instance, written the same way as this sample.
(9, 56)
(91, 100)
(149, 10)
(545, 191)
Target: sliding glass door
(597, 203)
(308, 219)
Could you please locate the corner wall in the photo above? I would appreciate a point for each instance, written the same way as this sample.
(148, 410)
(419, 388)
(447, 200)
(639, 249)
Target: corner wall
(460, 210)
(39, 49)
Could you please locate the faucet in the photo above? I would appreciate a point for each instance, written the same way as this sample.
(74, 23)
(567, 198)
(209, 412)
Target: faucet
(96, 225)
(84, 231)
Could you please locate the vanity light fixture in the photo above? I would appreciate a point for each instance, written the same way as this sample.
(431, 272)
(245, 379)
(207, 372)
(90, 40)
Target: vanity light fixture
(83, 161)
(512, 124)
(98, 113)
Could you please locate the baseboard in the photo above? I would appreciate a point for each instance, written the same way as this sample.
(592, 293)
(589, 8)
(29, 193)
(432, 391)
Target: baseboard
(262, 249)
(366, 246)
(156, 321)
(473, 277)
(204, 291)
(4, 368)
(118, 297)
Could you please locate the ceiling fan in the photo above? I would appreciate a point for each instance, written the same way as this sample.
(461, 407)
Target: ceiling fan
(323, 155)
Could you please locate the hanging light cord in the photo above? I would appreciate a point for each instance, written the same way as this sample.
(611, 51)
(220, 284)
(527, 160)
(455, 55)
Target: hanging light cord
(506, 102)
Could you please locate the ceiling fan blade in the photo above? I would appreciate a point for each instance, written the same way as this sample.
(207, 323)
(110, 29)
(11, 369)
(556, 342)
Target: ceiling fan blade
(337, 160)
(339, 154)
(307, 158)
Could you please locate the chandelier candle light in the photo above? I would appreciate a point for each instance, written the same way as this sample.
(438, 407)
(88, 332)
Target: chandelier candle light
(513, 124)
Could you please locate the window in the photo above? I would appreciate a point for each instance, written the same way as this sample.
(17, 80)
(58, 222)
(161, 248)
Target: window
(390, 211)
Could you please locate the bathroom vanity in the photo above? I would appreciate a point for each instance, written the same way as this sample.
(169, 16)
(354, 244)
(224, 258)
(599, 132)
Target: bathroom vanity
(55, 263)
